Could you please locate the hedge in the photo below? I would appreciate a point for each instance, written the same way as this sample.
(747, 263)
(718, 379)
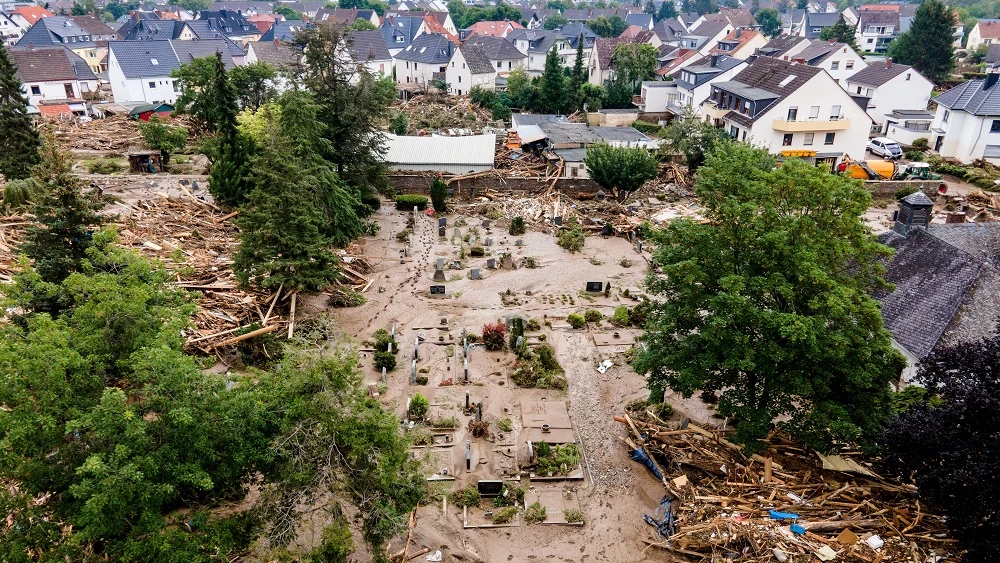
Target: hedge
(408, 202)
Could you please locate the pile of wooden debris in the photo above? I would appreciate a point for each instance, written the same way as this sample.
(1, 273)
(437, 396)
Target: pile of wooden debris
(439, 112)
(787, 504)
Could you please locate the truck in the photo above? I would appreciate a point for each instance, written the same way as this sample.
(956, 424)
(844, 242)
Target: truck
(886, 170)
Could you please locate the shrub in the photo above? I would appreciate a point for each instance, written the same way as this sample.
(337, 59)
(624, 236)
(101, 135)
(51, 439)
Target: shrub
(915, 155)
(539, 369)
(592, 316)
(530, 262)
(533, 325)
(401, 236)
(505, 515)
(346, 298)
(477, 251)
(408, 202)
(505, 424)
(19, 193)
(104, 166)
(903, 192)
(500, 111)
(573, 516)
(439, 195)
(620, 318)
(576, 320)
(385, 360)
(663, 410)
(637, 315)
(468, 496)
(422, 380)
(535, 513)
(482, 97)
(399, 124)
(383, 339)
(625, 263)
(572, 239)
(494, 335)
(418, 406)
(517, 226)
(372, 202)
(509, 496)
(920, 142)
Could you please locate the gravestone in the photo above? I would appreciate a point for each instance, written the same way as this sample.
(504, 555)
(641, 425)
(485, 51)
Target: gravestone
(456, 264)
(415, 211)
(416, 348)
(393, 333)
(489, 242)
(383, 376)
(519, 242)
(473, 239)
(491, 263)
(557, 220)
(458, 232)
(595, 287)
(413, 372)
(443, 222)
(468, 455)
(486, 223)
(520, 340)
(490, 488)
(440, 263)
(474, 273)
(437, 290)
(442, 232)
(439, 276)
(638, 246)
(466, 370)
(507, 262)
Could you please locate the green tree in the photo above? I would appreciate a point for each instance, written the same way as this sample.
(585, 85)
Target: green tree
(362, 24)
(552, 88)
(649, 8)
(555, 21)
(228, 180)
(523, 93)
(591, 97)
(605, 26)
(20, 141)
(618, 94)
(769, 302)
(353, 106)
(439, 195)
(840, 32)
(399, 124)
(770, 24)
(666, 11)
(691, 136)
(620, 170)
(195, 81)
(254, 84)
(634, 62)
(379, 7)
(288, 13)
(65, 218)
(927, 46)
(194, 6)
(163, 137)
(578, 77)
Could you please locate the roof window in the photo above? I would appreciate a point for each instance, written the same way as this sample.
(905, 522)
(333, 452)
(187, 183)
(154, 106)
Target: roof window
(786, 80)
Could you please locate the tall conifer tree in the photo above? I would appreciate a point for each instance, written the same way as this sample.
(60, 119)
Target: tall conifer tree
(19, 139)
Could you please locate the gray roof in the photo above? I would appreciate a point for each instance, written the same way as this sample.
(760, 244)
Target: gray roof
(572, 155)
(571, 32)
(400, 31)
(475, 150)
(644, 21)
(367, 46)
(818, 52)
(142, 59)
(993, 53)
(877, 74)
(742, 90)
(57, 30)
(703, 70)
(285, 30)
(819, 20)
(710, 28)
(276, 55)
(49, 64)
(525, 119)
(779, 45)
(766, 79)
(153, 29)
(258, 7)
(230, 22)
(430, 48)
(669, 30)
(188, 51)
(539, 40)
(941, 277)
(971, 97)
(477, 60)
(496, 48)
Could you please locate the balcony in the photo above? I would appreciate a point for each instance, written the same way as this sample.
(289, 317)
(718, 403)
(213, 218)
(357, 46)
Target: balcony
(710, 109)
(638, 101)
(811, 125)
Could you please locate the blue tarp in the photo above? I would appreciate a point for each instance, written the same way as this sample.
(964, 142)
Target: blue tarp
(775, 515)
(662, 518)
(797, 529)
(641, 456)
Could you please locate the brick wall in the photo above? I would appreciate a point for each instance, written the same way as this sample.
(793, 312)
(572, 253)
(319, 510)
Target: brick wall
(414, 184)
(890, 187)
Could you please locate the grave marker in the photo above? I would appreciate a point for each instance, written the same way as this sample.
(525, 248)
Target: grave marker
(507, 262)
(489, 242)
(491, 264)
(383, 376)
(440, 263)
(489, 488)
(557, 220)
(519, 242)
(437, 290)
(486, 223)
(442, 232)
(439, 276)
(468, 455)
(442, 222)
(474, 273)
(595, 287)
(458, 232)
(413, 372)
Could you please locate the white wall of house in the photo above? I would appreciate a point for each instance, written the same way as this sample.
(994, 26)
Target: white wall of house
(976, 38)
(150, 90)
(57, 90)
(901, 134)
(506, 66)
(909, 90)
(966, 136)
(460, 78)
(821, 97)
(694, 98)
(843, 64)
(656, 97)
(411, 72)
(875, 37)
(713, 41)
(10, 31)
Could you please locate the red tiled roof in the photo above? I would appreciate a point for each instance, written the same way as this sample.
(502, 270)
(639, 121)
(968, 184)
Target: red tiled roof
(493, 29)
(32, 13)
(54, 109)
(989, 30)
(433, 26)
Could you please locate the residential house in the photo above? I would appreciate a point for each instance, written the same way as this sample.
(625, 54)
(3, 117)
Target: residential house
(151, 29)
(501, 53)
(992, 56)
(470, 67)
(945, 281)
(985, 32)
(671, 60)
(247, 8)
(908, 125)
(710, 31)
(308, 8)
(669, 31)
(263, 21)
(140, 71)
(967, 121)
(694, 84)
(571, 33)
(368, 48)
(837, 59)
(173, 12)
(101, 33)
(784, 47)
(851, 15)
(489, 29)
(529, 17)
(274, 53)
(86, 36)
(740, 43)
(535, 45)
(793, 22)
(400, 31)
(643, 21)
(127, 23)
(791, 109)
(890, 87)
(232, 24)
(285, 30)
(690, 19)
(442, 18)
(876, 29)
(56, 80)
(432, 24)
(27, 16)
(10, 31)
(816, 23)
(424, 60)
(600, 66)
(347, 16)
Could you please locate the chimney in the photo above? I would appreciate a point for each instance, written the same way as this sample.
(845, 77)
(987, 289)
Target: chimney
(739, 31)
(888, 63)
(277, 42)
(714, 61)
(991, 79)
(914, 212)
(31, 45)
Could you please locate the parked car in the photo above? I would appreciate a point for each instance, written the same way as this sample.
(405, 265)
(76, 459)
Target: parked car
(885, 147)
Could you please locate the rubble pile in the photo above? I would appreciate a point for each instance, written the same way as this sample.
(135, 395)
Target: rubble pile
(12, 229)
(786, 504)
(437, 112)
(115, 134)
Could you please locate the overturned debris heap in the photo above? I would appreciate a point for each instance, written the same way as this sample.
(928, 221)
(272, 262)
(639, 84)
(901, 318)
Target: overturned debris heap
(788, 504)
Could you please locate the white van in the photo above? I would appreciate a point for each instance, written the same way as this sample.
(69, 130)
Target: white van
(885, 147)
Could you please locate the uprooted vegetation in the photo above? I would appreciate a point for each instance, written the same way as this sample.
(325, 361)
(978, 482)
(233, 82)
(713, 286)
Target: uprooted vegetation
(558, 459)
(538, 368)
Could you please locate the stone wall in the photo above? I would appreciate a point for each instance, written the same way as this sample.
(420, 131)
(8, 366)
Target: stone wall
(890, 187)
(416, 184)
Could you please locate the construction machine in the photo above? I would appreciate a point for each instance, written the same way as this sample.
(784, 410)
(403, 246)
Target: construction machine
(886, 170)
